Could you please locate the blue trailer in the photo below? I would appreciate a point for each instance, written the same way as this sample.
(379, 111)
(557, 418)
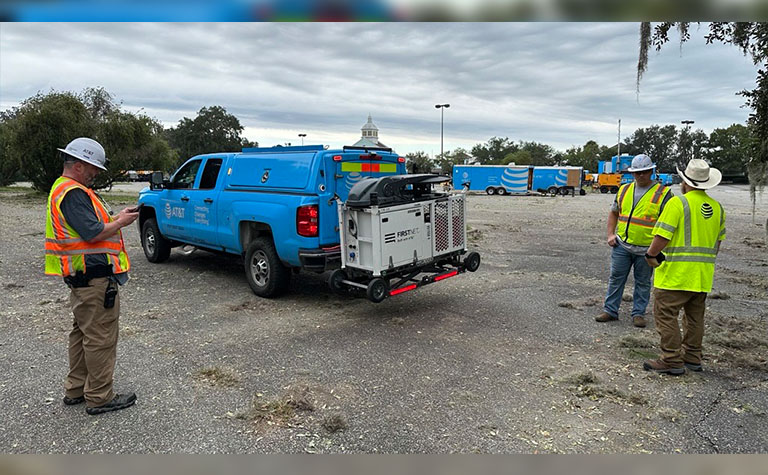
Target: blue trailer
(518, 179)
(493, 179)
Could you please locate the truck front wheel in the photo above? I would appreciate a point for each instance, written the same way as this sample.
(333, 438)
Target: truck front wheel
(266, 275)
(156, 247)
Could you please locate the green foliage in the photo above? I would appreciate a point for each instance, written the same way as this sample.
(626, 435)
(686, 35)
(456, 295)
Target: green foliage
(520, 157)
(9, 163)
(449, 159)
(658, 142)
(541, 154)
(213, 130)
(586, 156)
(730, 149)
(418, 162)
(494, 151)
(41, 124)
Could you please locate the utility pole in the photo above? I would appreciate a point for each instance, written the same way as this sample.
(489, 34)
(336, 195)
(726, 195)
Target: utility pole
(442, 107)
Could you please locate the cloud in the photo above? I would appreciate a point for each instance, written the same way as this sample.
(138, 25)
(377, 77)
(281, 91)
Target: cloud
(557, 83)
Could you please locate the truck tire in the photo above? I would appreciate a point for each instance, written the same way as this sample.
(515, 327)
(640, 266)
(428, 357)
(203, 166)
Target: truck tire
(334, 280)
(603, 189)
(156, 247)
(552, 190)
(266, 275)
(501, 191)
(490, 190)
(377, 290)
(614, 189)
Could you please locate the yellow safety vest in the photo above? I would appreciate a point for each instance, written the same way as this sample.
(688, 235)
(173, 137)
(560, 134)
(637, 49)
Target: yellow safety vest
(65, 250)
(636, 220)
(693, 223)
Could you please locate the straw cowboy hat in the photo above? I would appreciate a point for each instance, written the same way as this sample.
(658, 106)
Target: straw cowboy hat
(699, 174)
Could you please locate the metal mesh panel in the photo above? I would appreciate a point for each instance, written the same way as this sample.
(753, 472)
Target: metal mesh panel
(457, 212)
(441, 226)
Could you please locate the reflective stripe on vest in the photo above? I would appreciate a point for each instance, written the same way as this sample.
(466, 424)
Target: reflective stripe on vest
(691, 253)
(636, 220)
(64, 248)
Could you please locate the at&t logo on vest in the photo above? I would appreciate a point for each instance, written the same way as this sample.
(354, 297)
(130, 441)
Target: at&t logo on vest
(706, 210)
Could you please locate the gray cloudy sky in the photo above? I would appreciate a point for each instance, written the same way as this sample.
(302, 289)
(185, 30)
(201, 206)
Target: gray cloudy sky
(556, 83)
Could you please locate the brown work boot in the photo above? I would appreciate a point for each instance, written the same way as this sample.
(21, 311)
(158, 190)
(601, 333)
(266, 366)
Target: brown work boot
(638, 321)
(605, 317)
(661, 367)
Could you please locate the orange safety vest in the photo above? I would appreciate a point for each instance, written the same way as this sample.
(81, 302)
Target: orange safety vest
(65, 250)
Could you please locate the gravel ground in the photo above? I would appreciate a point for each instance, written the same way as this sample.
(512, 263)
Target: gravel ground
(508, 359)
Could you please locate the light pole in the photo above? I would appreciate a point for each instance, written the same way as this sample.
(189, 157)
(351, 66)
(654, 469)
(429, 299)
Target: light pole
(442, 108)
(687, 124)
(302, 138)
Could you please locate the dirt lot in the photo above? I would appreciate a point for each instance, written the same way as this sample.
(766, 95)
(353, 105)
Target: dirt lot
(508, 359)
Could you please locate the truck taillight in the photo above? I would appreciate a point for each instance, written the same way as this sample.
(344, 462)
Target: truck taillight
(400, 160)
(337, 158)
(307, 220)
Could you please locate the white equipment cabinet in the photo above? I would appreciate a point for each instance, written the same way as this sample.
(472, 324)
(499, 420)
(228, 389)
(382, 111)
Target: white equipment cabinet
(394, 228)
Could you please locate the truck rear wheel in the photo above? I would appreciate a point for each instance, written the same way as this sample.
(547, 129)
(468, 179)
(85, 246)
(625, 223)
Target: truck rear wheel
(603, 189)
(266, 275)
(156, 247)
(614, 189)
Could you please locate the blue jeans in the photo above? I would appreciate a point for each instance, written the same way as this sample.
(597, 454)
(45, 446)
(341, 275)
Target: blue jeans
(621, 261)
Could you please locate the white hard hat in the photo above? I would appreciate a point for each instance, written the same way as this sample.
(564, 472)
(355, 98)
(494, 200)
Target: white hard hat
(87, 150)
(641, 163)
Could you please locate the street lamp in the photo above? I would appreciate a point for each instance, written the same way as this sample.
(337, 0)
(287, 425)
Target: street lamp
(442, 107)
(687, 124)
(302, 138)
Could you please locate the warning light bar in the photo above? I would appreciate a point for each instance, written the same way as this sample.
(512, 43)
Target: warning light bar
(445, 276)
(403, 289)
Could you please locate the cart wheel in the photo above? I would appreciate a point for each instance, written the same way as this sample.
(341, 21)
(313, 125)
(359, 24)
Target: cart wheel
(377, 290)
(472, 261)
(334, 280)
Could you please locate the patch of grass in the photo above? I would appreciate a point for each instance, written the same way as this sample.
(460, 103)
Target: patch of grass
(597, 392)
(634, 341)
(216, 376)
(638, 353)
(282, 410)
(582, 378)
(335, 423)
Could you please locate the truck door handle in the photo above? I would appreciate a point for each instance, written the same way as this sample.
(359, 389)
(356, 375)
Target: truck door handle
(185, 198)
(208, 200)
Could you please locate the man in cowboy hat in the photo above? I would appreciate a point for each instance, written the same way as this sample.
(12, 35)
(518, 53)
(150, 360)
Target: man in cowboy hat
(632, 217)
(689, 231)
(84, 245)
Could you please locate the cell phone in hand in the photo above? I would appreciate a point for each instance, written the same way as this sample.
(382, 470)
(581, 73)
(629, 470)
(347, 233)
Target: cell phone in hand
(136, 208)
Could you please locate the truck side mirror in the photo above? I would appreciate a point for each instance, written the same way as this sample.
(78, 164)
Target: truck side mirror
(156, 180)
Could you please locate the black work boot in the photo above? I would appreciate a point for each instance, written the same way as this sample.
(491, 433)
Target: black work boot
(71, 401)
(120, 401)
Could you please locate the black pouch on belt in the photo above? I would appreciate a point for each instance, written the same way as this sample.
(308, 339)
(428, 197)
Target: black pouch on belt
(110, 294)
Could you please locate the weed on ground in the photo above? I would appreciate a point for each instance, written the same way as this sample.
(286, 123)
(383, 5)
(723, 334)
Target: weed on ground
(216, 376)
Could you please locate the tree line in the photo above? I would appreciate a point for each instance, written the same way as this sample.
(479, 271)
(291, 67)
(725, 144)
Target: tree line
(31, 133)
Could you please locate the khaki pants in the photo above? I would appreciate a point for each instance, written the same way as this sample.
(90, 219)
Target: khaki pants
(667, 304)
(92, 344)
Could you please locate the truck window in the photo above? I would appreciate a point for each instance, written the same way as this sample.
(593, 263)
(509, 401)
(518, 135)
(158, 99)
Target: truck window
(185, 177)
(210, 173)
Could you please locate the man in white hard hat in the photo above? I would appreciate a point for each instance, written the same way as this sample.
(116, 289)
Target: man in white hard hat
(632, 217)
(84, 245)
(689, 231)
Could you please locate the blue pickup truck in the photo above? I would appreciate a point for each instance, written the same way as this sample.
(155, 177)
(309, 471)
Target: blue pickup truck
(276, 207)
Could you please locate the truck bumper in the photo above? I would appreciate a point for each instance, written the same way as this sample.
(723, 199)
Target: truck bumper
(320, 259)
